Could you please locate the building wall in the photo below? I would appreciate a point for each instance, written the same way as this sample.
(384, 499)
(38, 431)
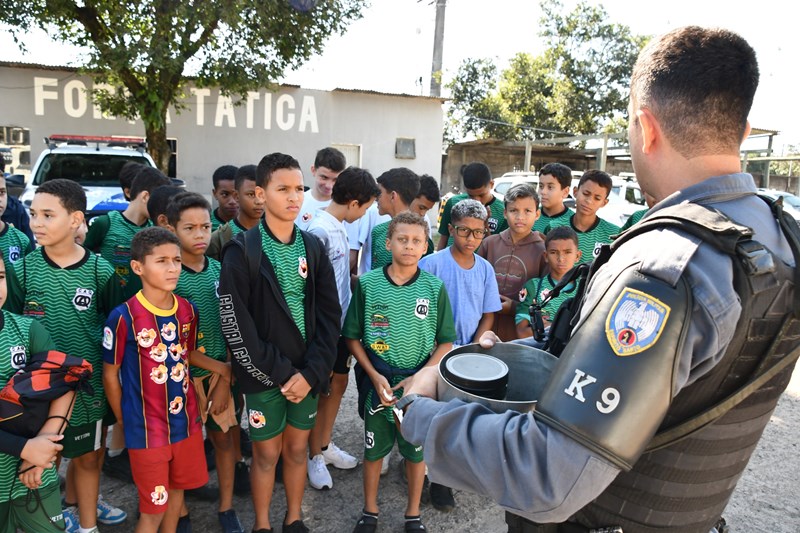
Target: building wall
(211, 131)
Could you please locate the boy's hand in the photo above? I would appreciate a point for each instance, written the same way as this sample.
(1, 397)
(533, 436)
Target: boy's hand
(489, 339)
(227, 375)
(423, 382)
(219, 398)
(42, 450)
(384, 391)
(31, 478)
(296, 388)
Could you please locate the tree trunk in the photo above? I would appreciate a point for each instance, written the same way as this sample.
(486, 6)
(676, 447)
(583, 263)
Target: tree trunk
(157, 145)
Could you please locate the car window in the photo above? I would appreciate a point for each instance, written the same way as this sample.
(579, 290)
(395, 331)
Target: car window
(501, 188)
(86, 169)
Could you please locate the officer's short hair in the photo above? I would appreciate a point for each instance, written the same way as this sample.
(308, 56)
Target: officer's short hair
(699, 83)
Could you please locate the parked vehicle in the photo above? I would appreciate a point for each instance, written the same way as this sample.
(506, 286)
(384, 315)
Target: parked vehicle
(791, 202)
(509, 179)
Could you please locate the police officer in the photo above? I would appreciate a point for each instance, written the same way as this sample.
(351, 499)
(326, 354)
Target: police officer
(670, 326)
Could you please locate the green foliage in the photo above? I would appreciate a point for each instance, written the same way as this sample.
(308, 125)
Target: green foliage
(143, 49)
(787, 168)
(579, 84)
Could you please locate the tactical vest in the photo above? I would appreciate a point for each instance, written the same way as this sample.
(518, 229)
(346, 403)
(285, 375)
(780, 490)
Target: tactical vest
(683, 483)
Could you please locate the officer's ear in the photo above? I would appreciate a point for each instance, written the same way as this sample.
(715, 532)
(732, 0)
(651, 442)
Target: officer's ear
(650, 134)
(747, 129)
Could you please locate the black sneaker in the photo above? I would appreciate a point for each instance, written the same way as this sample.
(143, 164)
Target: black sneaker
(241, 479)
(230, 522)
(184, 525)
(295, 527)
(368, 523)
(442, 498)
(204, 493)
(118, 467)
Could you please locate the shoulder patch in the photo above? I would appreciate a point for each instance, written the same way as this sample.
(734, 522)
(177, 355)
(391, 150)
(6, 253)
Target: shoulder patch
(108, 338)
(635, 322)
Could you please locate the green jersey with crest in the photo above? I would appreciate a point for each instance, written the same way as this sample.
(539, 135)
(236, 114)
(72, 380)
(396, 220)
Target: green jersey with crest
(545, 222)
(538, 289)
(633, 219)
(289, 262)
(202, 289)
(495, 223)
(72, 303)
(14, 244)
(380, 255)
(589, 241)
(110, 235)
(19, 338)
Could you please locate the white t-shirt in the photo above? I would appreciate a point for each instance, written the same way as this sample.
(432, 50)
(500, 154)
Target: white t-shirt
(333, 235)
(309, 209)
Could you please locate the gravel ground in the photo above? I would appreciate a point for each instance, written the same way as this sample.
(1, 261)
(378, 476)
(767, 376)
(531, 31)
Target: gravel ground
(765, 499)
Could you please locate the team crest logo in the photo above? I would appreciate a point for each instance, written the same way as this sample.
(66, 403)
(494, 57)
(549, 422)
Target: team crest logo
(185, 330)
(169, 331)
(422, 308)
(159, 496)
(523, 294)
(82, 299)
(379, 346)
(597, 247)
(492, 223)
(256, 419)
(18, 357)
(307, 217)
(302, 267)
(635, 322)
(158, 353)
(216, 288)
(146, 337)
(545, 293)
(14, 254)
(178, 373)
(379, 321)
(159, 374)
(108, 338)
(176, 405)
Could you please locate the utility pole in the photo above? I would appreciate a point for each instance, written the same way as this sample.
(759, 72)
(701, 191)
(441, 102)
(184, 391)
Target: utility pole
(438, 47)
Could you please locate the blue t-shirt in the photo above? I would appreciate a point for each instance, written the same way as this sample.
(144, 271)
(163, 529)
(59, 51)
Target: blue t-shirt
(472, 292)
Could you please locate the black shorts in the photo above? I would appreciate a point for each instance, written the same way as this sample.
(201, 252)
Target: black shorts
(342, 364)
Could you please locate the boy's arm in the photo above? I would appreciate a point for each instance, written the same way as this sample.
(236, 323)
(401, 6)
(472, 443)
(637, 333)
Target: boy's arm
(16, 292)
(201, 360)
(115, 335)
(113, 388)
(321, 350)
(98, 228)
(484, 324)
(265, 363)
(445, 328)
(111, 294)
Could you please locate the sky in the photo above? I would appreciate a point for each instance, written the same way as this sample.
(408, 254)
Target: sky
(390, 48)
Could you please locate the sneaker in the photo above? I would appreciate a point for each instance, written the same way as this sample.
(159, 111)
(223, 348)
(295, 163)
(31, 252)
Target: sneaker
(241, 479)
(385, 464)
(109, 515)
(318, 475)
(339, 458)
(368, 523)
(184, 525)
(118, 467)
(442, 498)
(414, 524)
(71, 521)
(230, 522)
(295, 527)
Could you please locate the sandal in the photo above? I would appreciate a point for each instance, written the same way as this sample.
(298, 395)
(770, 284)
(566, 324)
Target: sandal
(414, 524)
(368, 523)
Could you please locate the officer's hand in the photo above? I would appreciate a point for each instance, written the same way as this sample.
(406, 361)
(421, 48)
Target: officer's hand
(489, 339)
(423, 382)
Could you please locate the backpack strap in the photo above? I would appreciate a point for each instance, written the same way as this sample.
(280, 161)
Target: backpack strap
(252, 251)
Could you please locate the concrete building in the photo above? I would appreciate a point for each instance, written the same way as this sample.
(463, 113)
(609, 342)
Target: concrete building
(376, 131)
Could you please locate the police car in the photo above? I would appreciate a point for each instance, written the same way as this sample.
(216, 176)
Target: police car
(92, 161)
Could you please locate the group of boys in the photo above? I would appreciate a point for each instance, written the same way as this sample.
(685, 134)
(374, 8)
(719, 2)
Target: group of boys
(272, 319)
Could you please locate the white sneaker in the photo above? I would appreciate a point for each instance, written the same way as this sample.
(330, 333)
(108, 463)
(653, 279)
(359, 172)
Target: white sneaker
(109, 515)
(318, 475)
(385, 464)
(339, 458)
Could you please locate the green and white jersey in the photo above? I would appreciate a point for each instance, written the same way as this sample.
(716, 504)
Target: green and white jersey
(72, 303)
(380, 255)
(589, 241)
(202, 289)
(290, 265)
(236, 228)
(545, 222)
(633, 219)
(215, 220)
(538, 289)
(495, 223)
(14, 244)
(110, 235)
(400, 324)
(19, 338)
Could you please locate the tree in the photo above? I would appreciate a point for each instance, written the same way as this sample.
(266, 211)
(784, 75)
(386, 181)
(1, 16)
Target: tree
(139, 52)
(579, 84)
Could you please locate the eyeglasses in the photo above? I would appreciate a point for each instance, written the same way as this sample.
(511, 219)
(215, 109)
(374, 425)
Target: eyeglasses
(463, 231)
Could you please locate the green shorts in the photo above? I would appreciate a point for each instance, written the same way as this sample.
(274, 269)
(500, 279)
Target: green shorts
(268, 413)
(31, 516)
(82, 439)
(380, 433)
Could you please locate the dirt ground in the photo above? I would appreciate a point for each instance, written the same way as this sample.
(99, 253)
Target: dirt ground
(766, 499)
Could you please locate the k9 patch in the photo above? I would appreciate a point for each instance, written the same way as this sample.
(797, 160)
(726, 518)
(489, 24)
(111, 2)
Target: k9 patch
(635, 322)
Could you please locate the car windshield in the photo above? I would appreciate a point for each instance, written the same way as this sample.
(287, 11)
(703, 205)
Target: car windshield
(89, 169)
(502, 188)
